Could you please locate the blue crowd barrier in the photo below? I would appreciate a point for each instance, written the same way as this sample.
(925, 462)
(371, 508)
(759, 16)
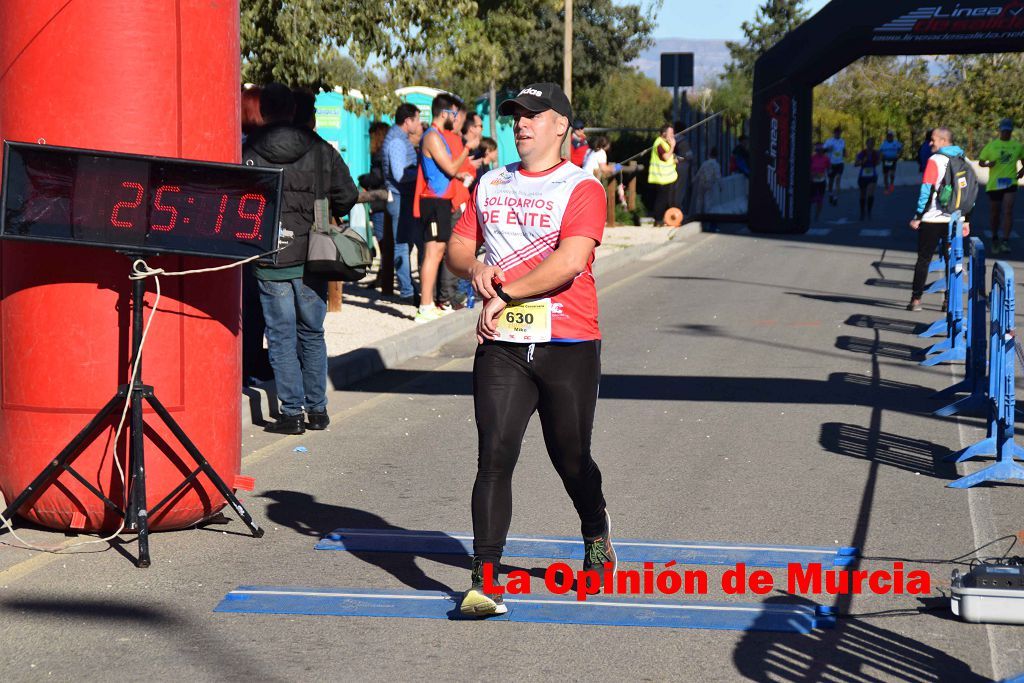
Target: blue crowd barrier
(1001, 389)
(954, 347)
(974, 382)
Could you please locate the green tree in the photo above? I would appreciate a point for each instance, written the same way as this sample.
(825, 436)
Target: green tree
(626, 99)
(731, 95)
(976, 92)
(606, 37)
(514, 42)
(968, 93)
(774, 19)
(873, 95)
(509, 43)
(489, 40)
(297, 41)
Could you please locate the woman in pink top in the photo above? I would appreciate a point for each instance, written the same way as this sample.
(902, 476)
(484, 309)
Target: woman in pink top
(819, 178)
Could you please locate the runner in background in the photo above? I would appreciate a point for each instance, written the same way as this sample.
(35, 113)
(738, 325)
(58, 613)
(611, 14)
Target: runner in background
(1000, 156)
(539, 221)
(819, 178)
(867, 178)
(836, 148)
(890, 149)
(930, 221)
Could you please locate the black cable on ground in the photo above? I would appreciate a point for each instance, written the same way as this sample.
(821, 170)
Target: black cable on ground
(956, 560)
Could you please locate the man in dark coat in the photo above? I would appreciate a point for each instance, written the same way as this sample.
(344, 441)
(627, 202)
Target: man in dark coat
(294, 307)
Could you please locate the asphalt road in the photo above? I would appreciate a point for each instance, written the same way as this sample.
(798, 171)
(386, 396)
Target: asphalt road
(755, 389)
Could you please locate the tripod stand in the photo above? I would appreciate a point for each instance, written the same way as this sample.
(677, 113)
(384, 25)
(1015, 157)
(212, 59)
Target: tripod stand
(135, 514)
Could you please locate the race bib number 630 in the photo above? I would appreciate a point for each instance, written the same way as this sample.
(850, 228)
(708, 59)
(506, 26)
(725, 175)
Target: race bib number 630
(528, 322)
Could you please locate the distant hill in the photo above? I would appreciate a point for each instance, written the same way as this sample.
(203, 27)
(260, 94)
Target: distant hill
(709, 58)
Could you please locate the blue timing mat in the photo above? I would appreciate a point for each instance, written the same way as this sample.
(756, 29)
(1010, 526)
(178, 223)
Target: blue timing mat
(600, 611)
(628, 550)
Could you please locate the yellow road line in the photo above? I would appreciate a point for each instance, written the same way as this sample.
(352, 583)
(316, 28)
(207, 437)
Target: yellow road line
(25, 567)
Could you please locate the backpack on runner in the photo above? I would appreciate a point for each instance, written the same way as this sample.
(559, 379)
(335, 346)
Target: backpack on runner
(959, 187)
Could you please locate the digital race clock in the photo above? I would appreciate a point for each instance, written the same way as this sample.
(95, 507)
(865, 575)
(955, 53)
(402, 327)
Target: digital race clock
(138, 203)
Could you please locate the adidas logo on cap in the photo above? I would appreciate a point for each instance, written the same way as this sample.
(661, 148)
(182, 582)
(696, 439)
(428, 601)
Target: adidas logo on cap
(531, 91)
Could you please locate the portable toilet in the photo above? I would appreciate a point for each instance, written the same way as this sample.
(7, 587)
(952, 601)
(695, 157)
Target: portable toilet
(506, 139)
(421, 96)
(347, 132)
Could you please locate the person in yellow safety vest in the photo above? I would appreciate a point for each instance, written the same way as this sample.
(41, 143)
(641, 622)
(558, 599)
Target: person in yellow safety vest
(662, 174)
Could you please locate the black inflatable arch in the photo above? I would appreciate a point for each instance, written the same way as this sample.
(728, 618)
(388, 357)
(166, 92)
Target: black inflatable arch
(839, 34)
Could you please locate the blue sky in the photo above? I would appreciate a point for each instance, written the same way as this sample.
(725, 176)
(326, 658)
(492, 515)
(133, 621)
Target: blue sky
(718, 19)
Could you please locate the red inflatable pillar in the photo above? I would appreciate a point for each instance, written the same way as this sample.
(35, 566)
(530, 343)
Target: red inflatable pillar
(157, 77)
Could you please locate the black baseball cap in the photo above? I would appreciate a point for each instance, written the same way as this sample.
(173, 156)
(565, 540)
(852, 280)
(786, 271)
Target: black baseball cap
(539, 97)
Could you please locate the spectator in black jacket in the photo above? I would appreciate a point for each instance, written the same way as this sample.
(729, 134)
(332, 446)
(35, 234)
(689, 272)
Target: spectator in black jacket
(295, 308)
(374, 180)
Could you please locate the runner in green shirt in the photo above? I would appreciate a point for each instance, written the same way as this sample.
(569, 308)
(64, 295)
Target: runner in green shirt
(1001, 156)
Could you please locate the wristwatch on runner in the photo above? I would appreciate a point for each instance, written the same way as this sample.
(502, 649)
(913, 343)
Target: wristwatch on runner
(500, 292)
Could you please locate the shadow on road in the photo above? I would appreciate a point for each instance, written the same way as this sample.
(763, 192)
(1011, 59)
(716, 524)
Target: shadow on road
(858, 300)
(889, 284)
(207, 649)
(310, 517)
(891, 450)
(856, 650)
(874, 322)
(884, 349)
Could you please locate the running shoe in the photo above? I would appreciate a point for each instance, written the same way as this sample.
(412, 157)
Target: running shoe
(478, 603)
(914, 305)
(427, 314)
(599, 551)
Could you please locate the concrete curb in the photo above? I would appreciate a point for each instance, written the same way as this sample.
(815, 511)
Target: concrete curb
(259, 403)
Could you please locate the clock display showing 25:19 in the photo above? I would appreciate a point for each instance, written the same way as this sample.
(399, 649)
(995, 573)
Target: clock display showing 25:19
(139, 203)
(170, 203)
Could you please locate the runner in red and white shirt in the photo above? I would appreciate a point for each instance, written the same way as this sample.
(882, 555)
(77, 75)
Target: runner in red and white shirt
(539, 222)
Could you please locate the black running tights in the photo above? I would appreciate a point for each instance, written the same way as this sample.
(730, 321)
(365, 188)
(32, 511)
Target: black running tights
(510, 382)
(929, 236)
